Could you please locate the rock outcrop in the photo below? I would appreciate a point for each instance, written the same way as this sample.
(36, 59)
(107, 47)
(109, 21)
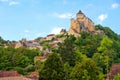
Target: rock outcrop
(81, 23)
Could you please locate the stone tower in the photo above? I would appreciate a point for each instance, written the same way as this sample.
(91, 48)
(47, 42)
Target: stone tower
(81, 23)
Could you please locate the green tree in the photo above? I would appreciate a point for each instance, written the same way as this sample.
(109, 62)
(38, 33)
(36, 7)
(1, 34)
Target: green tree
(111, 34)
(19, 59)
(67, 50)
(87, 43)
(117, 77)
(102, 61)
(67, 70)
(106, 44)
(53, 68)
(80, 57)
(107, 53)
(87, 70)
(2, 41)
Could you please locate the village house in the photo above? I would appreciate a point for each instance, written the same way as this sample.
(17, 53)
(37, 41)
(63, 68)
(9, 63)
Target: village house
(56, 41)
(44, 57)
(14, 75)
(50, 37)
(32, 44)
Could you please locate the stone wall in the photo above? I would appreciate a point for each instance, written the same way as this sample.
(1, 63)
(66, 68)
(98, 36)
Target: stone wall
(81, 23)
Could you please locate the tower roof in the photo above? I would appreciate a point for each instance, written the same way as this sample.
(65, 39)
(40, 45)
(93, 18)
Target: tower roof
(80, 12)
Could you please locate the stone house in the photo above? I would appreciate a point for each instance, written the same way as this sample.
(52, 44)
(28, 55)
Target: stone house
(32, 44)
(50, 37)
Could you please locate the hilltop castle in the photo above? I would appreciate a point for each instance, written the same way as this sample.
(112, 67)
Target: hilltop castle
(82, 23)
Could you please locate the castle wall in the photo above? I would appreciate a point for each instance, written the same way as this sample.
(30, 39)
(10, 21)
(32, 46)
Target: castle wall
(81, 23)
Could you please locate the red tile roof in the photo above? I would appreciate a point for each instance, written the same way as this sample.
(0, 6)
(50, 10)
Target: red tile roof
(9, 73)
(50, 35)
(34, 75)
(16, 78)
(115, 69)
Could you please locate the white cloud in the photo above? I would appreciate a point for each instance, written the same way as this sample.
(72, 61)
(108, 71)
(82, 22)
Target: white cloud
(102, 17)
(63, 15)
(10, 3)
(56, 30)
(13, 3)
(3, 0)
(115, 5)
(30, 35)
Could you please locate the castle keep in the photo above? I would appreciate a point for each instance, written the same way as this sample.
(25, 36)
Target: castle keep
(81, 23)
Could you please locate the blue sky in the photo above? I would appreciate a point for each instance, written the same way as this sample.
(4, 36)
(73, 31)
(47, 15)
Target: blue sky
(33, 18)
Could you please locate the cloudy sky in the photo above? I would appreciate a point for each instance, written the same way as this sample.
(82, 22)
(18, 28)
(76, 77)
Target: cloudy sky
(33, 18)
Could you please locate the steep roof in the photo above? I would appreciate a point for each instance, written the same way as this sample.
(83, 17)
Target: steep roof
(80, 12)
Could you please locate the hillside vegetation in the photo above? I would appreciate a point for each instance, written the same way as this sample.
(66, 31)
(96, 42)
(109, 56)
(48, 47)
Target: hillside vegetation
(88, 57)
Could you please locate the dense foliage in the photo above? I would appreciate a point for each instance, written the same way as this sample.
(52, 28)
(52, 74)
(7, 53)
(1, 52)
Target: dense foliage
(67, 50)
(2, 41)
(53, 68)
(88, 57)
(21, 59)
(117, 77)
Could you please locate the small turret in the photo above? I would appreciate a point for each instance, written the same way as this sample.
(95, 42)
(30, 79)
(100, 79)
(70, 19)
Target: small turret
(80, 14)
(63, 31)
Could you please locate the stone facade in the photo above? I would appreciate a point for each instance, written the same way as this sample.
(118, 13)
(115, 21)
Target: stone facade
(63, 31)
(81, 23)
(50, 37)
(31, 44)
